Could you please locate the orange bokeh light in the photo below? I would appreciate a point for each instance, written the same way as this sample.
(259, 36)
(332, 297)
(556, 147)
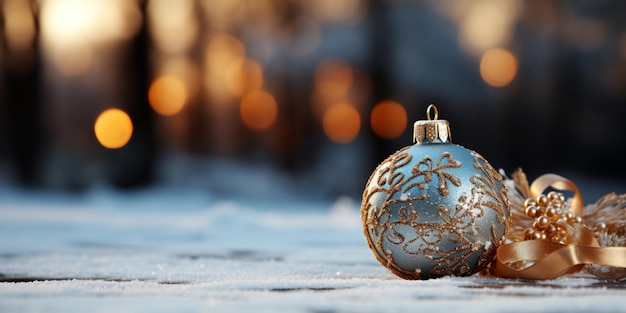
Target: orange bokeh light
(244, 77)
(173, 25)
(167, 95)
(113, 128)
(498, 67)
(224, 51)
(341, 122)
(19, 25)
(333, 80)
(224, 59)
(388, 119)
(333, 77)
(258, 110)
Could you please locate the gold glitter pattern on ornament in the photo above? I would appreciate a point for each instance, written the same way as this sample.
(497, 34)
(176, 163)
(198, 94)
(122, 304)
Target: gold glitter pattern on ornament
(551, 218)
(426, 168)
(454, 226)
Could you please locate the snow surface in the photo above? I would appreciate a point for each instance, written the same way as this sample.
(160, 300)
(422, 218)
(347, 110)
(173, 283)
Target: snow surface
(170, 249)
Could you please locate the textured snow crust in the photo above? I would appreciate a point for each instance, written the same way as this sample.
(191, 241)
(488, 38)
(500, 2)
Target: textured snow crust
(167, 250)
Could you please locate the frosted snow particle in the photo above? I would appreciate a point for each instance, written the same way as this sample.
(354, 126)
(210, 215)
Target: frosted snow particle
(487, 244)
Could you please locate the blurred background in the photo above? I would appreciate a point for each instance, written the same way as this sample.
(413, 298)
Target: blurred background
(264, 97)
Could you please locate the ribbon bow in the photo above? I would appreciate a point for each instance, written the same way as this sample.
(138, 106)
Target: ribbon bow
(551, 237)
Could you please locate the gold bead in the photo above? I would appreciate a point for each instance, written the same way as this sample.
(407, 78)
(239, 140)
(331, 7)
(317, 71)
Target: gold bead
(541, 223)
(537, 235)
(541, 210)
(529, 202)
(529, 233)
(551, 212)
(553, 195)
(550, 229)
(542, 200)
(531, 211)
(555, 218)
(569, 216)
(561, 198)
(578, 219)
(557, 203)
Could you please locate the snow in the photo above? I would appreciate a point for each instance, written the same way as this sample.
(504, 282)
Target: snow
(167, 249)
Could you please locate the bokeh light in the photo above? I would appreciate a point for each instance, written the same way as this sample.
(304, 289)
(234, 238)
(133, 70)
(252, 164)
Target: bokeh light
(388, 119)
(244, 77)
(223, 55)
(74, 61)
(487, 24)
(173, 25)
(184, 69)
(498, 67)
(333, 79)
(167, 95)
(224, 51)
(223, 15)
(19, 35)
(71, 30)
(19, 24)
(341, 122)
(113, 128)
(258, 110)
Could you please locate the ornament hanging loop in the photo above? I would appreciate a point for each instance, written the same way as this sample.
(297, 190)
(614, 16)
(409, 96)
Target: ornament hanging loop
(430, 108)
(432, 130)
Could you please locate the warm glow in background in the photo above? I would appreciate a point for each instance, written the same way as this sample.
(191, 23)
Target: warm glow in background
(258, 110)
(167, 95)
(388, 119)
(303, 84)
(498, 67)
(113, 128)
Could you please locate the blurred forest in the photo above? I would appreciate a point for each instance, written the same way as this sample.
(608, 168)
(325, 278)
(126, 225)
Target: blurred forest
(319, 91)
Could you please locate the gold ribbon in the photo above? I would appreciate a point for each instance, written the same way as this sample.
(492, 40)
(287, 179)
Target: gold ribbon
(541, 259)
(557, 182)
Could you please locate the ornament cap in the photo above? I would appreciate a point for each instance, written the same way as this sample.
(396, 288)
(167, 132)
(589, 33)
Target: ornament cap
(432, 130)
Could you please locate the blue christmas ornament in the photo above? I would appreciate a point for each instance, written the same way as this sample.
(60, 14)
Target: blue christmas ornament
(434, 208)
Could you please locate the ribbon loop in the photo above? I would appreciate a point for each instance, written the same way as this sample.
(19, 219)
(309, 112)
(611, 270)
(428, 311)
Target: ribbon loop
(557, 182)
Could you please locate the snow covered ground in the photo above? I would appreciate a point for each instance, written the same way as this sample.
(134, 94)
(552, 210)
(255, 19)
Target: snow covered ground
(168, 249)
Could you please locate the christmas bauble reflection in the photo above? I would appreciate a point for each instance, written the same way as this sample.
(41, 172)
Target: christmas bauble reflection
(434, 208)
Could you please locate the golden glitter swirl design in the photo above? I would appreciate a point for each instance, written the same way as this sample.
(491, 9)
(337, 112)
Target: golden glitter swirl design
(402, 195)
